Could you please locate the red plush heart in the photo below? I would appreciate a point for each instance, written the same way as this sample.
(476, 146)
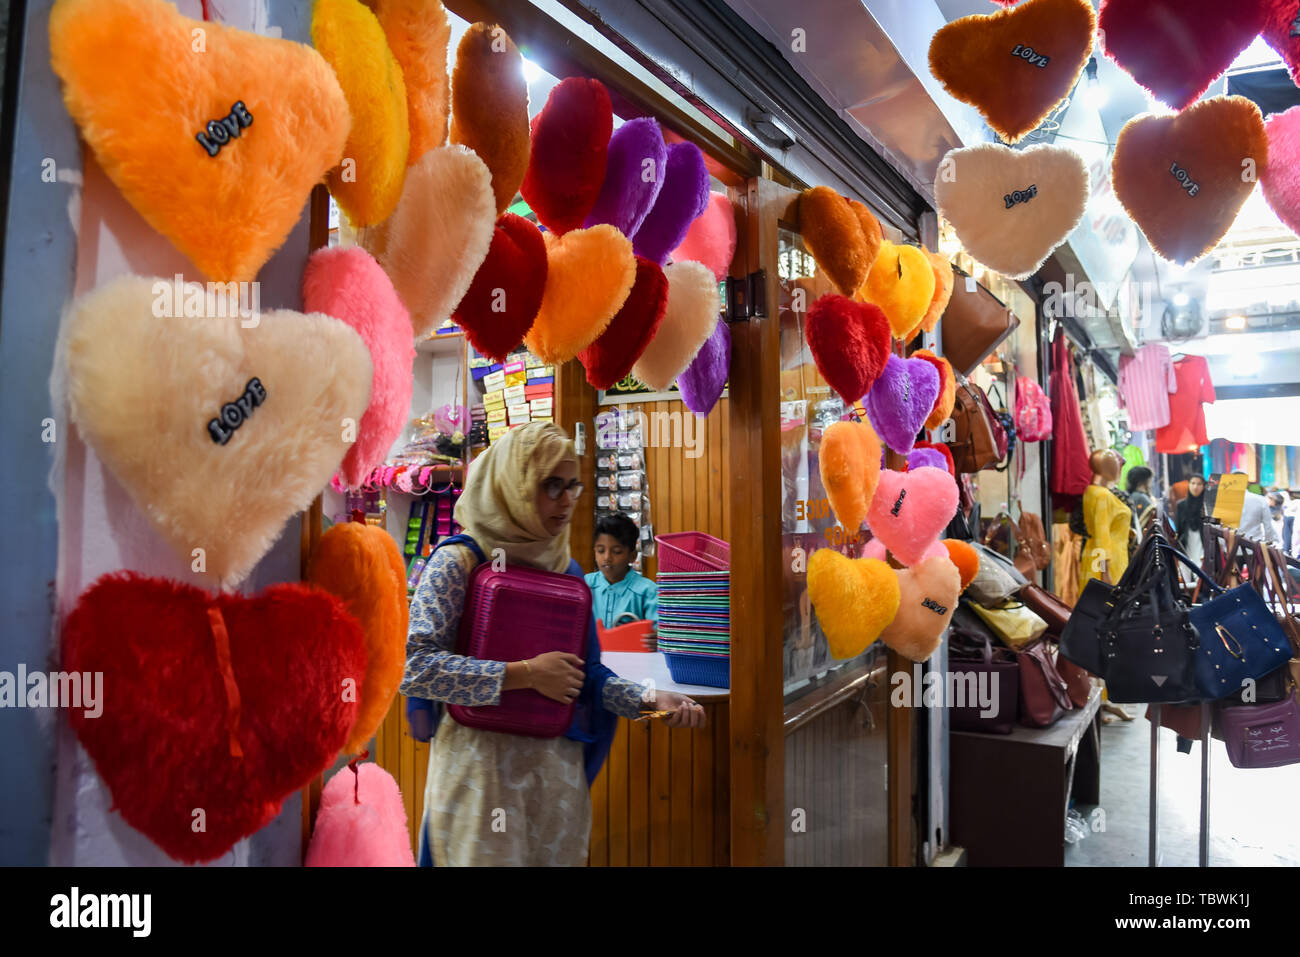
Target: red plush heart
(502, 301)
(849, 342)
(173, 716)
(1282, 32)
(566, 165)
(1177, 48)
(613, 355)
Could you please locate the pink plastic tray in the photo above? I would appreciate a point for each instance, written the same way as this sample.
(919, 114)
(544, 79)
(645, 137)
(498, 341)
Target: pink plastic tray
(512, 615)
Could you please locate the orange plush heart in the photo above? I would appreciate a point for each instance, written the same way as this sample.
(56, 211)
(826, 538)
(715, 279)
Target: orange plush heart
(589, 274)
(218, 148)
(839, 236)
(1184, 178)
(1016, 65)
(849, 459)
(943, 283)
(928, 593)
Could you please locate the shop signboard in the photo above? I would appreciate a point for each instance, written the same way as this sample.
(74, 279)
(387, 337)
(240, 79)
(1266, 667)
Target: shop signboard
(1230, 498)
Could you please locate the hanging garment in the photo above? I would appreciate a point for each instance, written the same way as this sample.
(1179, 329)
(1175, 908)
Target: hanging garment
(1186, 429)
(1292, 466)
(1108, 521)
(1246, 462)
(1065, 563)
(1133, 457)
(1215, 456)
(1145, 381)
(1070, 472)
(1267, 474)
(1281, 473)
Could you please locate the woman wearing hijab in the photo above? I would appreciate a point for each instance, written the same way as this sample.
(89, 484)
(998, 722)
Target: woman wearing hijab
(1189, 516)
(505, 799)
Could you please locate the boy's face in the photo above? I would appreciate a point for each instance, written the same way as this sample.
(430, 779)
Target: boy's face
(613, 558)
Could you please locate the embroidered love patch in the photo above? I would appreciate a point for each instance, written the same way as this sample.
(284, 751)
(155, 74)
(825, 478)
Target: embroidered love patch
(234, 413)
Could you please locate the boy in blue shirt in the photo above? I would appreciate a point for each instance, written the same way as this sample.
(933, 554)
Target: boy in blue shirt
(619, 593)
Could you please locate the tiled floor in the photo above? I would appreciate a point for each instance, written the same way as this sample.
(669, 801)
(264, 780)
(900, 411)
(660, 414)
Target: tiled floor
(1254, 815)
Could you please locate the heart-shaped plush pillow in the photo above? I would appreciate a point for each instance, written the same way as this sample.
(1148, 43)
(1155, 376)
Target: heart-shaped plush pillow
(1177, 48)
(947, 387)
(174, 128)
(418, 34)
(833, 230)
(611, 357)
(944, 452)
(849, 460)
(711, 240)
(1012, 208)
(855, 599)
(368, 183)
(214, 709)
(911, 509)
(262, 413)
(684, 195)
(901, 282)
(1015, 66)
(566, 165)
(849, 342)
(361, 822)
(348, 284)
(689, 319)
(927, 595)
(900, 401)
(926, 458)
(943, 283)
(702, 383)
(963, 555)
(1280, 180)
(1281, 33)
(875, 548)
(589, 274)
(489, 106)
(362, 567)
(1184, 178)
(439, 235)
(502, 301)
(634, 175)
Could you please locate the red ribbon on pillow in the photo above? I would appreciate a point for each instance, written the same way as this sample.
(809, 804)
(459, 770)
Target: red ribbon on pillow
(221, 638)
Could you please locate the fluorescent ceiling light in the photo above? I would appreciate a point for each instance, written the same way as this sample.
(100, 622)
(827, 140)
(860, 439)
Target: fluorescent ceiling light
(1182, 299)
(1235, 323)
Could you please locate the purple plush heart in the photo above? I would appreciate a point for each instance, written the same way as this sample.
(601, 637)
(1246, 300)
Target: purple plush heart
(635, 169)
(683, 198)
(901, 400)
(701, 384)
(926, 458)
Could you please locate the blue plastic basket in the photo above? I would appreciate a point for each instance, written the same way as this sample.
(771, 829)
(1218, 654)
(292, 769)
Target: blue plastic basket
(713, 671)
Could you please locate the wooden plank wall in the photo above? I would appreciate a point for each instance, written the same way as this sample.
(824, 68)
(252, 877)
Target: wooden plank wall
(407, 760)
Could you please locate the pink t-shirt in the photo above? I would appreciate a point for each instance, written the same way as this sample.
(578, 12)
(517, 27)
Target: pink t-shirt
(1145, 381)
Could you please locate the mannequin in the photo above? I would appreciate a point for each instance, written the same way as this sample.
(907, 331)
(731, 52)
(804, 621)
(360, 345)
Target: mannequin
(1109, 520)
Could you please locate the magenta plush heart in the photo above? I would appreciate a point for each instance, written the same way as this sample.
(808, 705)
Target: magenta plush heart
(911, 509)
(900, 401)
(702, 382)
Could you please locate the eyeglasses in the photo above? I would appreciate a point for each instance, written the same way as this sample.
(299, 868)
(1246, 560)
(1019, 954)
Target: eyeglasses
(555, 486)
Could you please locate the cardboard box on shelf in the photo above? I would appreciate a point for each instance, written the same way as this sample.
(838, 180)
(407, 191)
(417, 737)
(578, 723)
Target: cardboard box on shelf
(494, 381)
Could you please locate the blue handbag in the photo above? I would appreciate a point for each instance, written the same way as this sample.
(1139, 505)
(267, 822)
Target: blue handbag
(1240, 637)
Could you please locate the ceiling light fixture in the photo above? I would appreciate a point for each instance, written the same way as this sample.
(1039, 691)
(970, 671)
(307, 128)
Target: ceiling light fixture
(1235, 323)
(1182, 299)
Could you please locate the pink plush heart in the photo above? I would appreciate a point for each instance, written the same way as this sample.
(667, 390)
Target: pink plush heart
(876, 549)
(1280, 179)
(928, 594)
(900, 401)
(911, 509)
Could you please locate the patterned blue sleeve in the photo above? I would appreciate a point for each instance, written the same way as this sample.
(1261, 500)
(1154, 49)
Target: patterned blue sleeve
(433, 669)
(622, 696)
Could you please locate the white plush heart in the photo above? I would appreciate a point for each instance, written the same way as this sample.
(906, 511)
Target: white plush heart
(170, 406)
(1012, 208)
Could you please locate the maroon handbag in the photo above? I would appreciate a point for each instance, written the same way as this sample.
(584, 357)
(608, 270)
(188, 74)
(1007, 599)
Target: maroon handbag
(970, 652)
(1262, 735)
(1043, 693)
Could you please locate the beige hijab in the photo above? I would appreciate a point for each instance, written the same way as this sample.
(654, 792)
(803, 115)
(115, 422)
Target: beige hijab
(498, 508)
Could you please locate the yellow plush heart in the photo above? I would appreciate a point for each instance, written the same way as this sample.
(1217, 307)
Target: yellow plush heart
(1184, 178)
(418, 34)
(1016, 65)
(901, 283)
(368, 182)
(215, 135)
(855, 599)
(220, 428)
(928, 593)
(1011, 208)
(589, 273)
(849, 459)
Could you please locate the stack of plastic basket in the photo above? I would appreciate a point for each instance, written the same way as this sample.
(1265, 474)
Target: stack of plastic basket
(695, 608)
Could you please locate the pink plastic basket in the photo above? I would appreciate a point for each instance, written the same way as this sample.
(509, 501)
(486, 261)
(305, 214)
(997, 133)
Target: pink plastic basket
(693, 552)
(512, 615)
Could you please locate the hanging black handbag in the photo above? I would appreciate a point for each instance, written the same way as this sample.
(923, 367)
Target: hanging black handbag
(1148, 642)
(1081, 638)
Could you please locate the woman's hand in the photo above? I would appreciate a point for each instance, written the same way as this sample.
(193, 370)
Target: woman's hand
(686, 712)
(557, 674)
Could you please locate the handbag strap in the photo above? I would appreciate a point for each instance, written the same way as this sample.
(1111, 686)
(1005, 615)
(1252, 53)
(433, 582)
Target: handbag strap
(1280, 585)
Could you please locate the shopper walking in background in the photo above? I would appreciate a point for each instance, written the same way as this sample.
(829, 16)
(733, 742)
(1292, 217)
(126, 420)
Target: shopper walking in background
(493, 798)
(1139, 492)
(1189, 517)
(1257, 520)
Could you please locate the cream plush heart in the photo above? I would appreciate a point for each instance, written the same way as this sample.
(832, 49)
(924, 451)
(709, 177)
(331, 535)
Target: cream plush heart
(689, 320)
(219, 433)
(438, 236)
(854, 599)
(876, 549)
(1012, 208)
(910, 509)
(218, 148)
(928, 594)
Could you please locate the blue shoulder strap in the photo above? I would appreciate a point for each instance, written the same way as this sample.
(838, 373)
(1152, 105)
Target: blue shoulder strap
(463, 539)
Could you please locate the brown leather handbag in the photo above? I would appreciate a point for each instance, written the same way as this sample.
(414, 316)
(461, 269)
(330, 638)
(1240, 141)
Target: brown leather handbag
(974, 324)
(974, 447)
(1046, 606)
(1033, 553)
